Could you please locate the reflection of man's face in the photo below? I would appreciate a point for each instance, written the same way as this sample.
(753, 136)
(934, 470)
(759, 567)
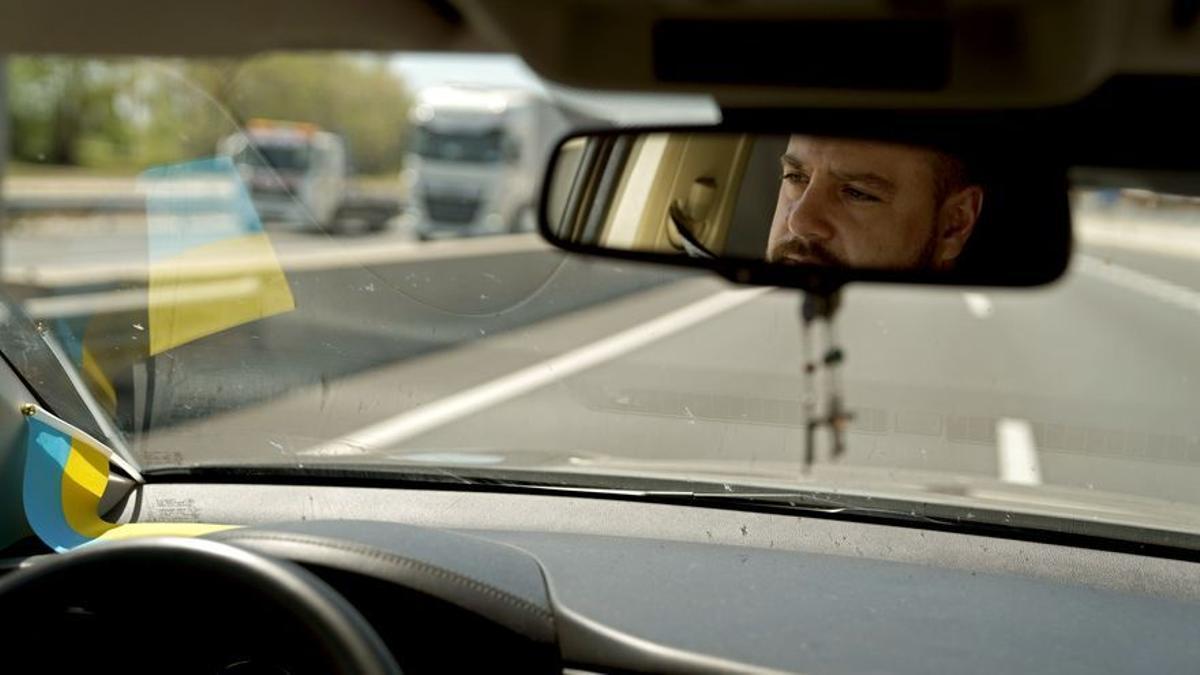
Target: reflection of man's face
(869, 204)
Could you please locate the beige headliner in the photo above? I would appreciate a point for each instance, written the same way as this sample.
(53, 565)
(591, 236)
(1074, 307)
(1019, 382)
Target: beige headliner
(1055, 50)
(210, 27)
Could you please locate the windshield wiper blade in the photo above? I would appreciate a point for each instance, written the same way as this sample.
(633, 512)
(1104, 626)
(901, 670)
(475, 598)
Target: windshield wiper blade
(801, 502)
(681, 492)
(792, 502)
(982, 520)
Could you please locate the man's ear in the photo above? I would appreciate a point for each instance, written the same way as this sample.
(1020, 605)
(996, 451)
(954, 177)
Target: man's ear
(959, 213)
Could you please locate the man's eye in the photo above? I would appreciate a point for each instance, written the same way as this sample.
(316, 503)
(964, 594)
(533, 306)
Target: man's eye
(793, 177)
(859, 195)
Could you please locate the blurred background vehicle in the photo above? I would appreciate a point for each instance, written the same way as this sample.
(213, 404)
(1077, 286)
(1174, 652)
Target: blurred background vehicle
(476, 157)
(295, 171)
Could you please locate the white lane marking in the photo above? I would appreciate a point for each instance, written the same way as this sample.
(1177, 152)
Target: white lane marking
(978, 304)
(1166, 291)
(1017, 452)
(424, 418)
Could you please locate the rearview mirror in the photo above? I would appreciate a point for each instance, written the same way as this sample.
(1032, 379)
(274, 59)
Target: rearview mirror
(811, 211)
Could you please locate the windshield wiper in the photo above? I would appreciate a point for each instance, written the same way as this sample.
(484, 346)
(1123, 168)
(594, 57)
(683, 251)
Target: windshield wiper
(662, 491)
(931, 514)
(798, 502)
(980, 521)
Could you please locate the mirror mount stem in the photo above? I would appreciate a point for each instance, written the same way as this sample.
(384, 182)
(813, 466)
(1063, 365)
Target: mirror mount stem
(822, 307)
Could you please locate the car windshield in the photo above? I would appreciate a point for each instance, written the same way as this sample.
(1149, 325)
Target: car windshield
(401, 312)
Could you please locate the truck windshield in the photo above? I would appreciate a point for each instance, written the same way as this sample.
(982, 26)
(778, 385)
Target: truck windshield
(279, 157)
(460, 145)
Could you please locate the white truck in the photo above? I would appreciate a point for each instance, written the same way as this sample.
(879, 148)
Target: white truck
(295, 171)
(476, 159)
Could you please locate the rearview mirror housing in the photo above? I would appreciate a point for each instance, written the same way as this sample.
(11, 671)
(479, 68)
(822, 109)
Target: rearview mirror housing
(814, 210)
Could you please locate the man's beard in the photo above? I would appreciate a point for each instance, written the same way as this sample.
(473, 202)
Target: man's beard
(798, 251)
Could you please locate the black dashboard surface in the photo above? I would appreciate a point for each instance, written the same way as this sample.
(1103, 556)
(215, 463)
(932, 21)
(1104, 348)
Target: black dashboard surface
(825, 614)
(688, 601)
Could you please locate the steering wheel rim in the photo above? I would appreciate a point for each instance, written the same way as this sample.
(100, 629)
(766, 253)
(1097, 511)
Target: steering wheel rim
(338, 630)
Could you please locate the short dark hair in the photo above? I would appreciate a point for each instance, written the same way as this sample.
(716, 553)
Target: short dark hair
(949, 174)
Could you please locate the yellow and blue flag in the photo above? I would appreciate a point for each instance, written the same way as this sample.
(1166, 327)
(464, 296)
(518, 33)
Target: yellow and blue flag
(212, 266)
(66, 474)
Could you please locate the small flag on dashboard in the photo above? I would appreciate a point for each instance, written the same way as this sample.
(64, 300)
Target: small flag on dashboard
(66, 475)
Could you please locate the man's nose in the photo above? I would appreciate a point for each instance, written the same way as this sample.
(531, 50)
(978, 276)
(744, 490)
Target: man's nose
(808, 216)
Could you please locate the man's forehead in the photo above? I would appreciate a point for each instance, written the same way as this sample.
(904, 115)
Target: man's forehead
(863, 154)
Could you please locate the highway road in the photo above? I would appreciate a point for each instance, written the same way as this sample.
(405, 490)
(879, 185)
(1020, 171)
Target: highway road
(483, 351)
(1100, 370)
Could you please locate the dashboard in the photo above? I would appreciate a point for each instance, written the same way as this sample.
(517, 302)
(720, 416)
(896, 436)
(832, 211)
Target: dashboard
(474, 580)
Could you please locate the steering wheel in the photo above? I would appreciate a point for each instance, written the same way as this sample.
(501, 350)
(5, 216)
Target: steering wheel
(192, 588)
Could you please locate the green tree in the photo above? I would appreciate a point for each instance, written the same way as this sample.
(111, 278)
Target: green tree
(139, 113)
(354, 95)
(57, 105)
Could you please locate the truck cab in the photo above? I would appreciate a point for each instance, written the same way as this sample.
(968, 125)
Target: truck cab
(475, 160)
(295, 171)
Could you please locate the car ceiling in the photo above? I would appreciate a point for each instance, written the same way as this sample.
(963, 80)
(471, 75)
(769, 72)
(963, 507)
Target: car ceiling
(993, 52)
(226, 27)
